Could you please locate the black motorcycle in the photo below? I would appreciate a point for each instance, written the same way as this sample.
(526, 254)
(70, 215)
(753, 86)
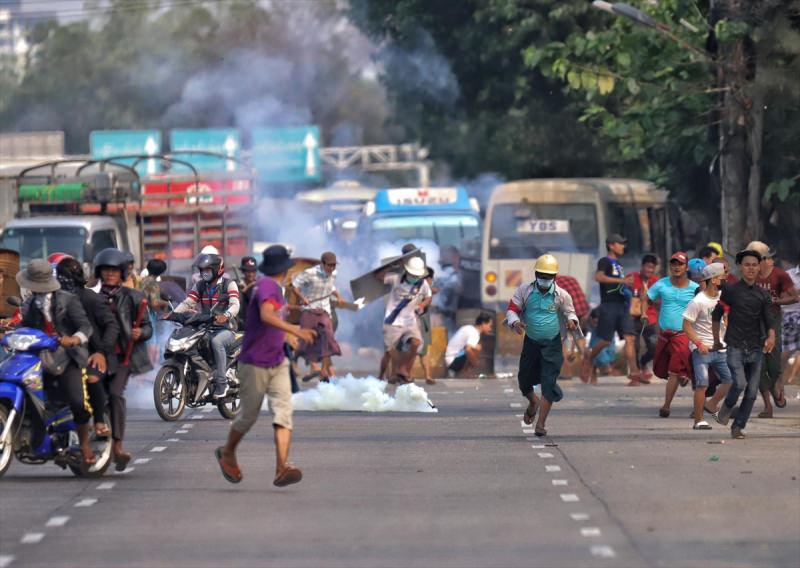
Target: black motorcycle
(185, 378)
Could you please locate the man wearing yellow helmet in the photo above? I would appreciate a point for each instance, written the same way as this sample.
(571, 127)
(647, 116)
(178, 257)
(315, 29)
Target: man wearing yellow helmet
(537, 311)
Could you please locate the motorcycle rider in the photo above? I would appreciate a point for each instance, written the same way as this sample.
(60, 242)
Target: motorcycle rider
(215, 291)
(60, 314)
(105, 333)
(127, 304)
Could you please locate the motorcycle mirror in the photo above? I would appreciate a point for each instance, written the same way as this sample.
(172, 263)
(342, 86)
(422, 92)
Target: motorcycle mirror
(14, 301)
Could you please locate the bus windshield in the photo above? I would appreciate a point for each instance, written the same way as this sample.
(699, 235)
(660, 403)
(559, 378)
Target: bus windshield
(442, 229)
(40, 242)
(527, 230)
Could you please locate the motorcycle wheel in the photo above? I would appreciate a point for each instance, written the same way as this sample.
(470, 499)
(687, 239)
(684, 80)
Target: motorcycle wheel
(8, 450)
(102, 449)
(229, 407)
(169, 393)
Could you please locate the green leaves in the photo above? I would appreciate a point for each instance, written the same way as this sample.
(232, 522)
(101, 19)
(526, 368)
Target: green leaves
(782, 190)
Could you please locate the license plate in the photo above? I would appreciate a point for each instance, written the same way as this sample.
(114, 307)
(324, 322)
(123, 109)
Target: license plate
(543, 226)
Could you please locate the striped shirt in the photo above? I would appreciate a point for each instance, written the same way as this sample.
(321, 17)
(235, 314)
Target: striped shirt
(194, 301)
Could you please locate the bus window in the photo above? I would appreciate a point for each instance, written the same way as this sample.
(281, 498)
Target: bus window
(625, 220)
(526, 230)
(442, 229)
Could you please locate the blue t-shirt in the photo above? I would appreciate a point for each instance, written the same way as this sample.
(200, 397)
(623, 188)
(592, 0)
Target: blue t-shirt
(673, 302)
(541, 315)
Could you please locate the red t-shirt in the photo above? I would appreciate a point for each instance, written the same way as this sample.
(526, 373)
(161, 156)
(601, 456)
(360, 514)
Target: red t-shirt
(776, 284)
(639, 292)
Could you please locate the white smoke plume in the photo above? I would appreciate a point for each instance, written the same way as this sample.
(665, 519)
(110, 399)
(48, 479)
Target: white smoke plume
(363, 395)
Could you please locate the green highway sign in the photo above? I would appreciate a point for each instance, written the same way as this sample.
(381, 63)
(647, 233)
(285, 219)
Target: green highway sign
(224, 141)
(110, 143)
(286, 154)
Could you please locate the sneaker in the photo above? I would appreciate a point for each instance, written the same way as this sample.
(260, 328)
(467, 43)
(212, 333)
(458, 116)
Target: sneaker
(220, 390)
(737, 434)
(724, 414)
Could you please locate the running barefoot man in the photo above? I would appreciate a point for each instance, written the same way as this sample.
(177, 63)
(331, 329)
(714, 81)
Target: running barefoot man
(537, 311)
(264, 370)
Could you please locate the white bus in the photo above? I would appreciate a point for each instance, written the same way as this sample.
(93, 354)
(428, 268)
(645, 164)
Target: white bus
(570, 219)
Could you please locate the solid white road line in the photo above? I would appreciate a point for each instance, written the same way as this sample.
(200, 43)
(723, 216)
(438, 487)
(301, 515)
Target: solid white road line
(561, 482)
(31, 538)
(158, 448)
(106, 485)
(579, 516)
(569, 498)
(57, 521)
(589, 532)
(603, 551)
(552, 468)
(86, 502)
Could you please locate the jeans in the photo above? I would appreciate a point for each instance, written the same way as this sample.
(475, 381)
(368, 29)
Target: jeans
(716, 360)
(220, 342)
(745, 365)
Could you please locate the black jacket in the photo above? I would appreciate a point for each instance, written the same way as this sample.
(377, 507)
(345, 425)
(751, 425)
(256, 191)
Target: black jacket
(126, 305)
(69, 318)
(106, 328)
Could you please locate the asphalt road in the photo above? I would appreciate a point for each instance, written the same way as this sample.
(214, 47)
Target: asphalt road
(612, 485)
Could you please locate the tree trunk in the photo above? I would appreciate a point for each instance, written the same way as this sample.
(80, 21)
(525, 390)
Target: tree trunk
(740, 137)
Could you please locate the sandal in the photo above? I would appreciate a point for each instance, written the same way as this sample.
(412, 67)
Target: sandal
(88, 461)
(765, 414)
(287, 476)
(101, 430)
(663, 412)
(311, 376)
(781, 401)
(530, 412)
(702, 425)
(121, 460)
(683, 381)
(231, 473)
(539, 431)
(430, 381)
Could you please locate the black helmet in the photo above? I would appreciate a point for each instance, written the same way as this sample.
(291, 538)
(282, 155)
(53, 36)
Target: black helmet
(70, 271)
(212, 261)
(129, 257)
(111, 257)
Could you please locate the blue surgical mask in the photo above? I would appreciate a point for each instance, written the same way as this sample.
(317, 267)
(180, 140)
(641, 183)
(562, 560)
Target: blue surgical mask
(412, 280)
(544, 283)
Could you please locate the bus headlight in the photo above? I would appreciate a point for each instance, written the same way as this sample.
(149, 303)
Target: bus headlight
(491, 277)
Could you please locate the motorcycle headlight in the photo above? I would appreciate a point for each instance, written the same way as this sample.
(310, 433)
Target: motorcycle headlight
(178, 344)
(33, 378)
(21, 341)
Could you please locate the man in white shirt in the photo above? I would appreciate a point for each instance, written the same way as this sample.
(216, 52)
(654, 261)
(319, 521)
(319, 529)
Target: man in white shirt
(697, 325)
(409, 296)
(464, 350)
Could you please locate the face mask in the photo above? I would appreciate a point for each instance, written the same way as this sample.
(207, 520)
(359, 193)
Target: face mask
(544, 283)
(207, 275)
(412, 280)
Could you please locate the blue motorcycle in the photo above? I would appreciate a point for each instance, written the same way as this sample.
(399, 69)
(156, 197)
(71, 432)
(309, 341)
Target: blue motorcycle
(33, 427)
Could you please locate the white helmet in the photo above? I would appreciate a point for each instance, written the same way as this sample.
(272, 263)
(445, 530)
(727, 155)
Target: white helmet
(415, 266)
(209, 249)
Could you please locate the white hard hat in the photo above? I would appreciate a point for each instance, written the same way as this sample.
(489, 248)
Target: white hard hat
(415, 266)
(209, 249)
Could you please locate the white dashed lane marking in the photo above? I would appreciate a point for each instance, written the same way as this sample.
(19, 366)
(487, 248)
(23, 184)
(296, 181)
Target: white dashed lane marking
(515, 405)
(31, 538)
(106, 485)
(579, 516)
(181, 431)
(140, 461)
(590, 532)
(508, 390)
(552, 468)
(603, 551)
(569, 498)
(86, 502)
(197, 417)
(126, 471)
(537, 446)
(6, 560)
(187, 425)
(545, 455)
(173, 439)
(208, 409)
(57, 521)
(528, 431)
(560, 482)
(158, 448)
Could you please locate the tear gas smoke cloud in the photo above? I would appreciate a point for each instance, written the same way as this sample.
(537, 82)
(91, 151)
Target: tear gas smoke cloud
(363, 394)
